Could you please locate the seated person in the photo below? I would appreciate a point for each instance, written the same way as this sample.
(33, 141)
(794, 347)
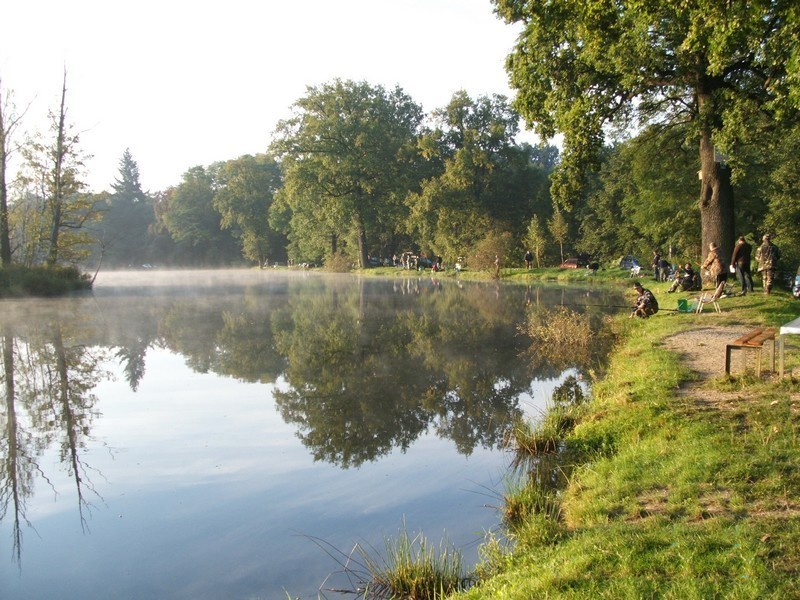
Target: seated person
(646, 303)
(685, 281)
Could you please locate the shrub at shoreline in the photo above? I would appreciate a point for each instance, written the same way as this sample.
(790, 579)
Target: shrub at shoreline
(19, 282)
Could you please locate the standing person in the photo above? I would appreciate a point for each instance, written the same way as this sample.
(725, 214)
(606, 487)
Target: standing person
(656, 265)
(664, 269)
(740, 260)
(646, 303)
(528, 260)
(716, 268)
(767, 256)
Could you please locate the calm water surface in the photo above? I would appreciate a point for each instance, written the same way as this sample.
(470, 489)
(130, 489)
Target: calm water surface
(216, 434)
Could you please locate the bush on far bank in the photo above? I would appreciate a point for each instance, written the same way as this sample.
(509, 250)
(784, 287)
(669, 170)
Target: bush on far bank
(18, 281)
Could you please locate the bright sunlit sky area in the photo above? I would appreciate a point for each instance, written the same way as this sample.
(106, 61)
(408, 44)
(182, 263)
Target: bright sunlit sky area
(190, 82)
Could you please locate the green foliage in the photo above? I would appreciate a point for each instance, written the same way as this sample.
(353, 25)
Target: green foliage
(536, 240)
(783, 216)
(338, 263)
(492, 252)
(487, 181)
(640, 203)
(348, 157)
(187, 211)
(584, 68)
(52, 179)
(559, 229)
(16, 281)
(247, 187)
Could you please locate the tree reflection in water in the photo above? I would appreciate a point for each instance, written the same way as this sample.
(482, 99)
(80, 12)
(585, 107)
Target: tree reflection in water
(48, 385)
(361, 366)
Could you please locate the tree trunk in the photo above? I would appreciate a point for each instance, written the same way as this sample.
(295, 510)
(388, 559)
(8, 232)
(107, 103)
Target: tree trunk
(362, 246)
(57, 200)
(716, 202)
(5, 241)
(5, 238)
(716, 192)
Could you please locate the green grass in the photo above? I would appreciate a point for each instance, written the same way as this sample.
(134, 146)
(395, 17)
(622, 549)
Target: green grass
(412, 569)
(612, 275)
(665, 497)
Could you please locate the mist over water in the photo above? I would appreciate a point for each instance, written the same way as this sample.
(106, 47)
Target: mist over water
(184, 434)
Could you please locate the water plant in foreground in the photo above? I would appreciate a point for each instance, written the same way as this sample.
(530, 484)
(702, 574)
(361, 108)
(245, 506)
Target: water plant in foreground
(409, 567)
(414, 569)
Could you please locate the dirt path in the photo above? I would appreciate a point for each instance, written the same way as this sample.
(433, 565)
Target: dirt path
(703, 351)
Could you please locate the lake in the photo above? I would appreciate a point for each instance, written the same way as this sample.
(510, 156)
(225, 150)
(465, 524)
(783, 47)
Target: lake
(233, 434)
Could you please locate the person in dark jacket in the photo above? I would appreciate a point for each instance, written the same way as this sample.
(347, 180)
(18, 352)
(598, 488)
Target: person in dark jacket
(684, 281)
(656, 265)
(740, 261)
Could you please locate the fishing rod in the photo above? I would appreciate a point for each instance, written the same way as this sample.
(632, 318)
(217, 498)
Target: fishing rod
(575, 304)
(628, 307)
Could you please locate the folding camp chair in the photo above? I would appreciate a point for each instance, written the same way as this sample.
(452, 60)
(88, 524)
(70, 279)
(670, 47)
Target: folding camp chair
(723, 290)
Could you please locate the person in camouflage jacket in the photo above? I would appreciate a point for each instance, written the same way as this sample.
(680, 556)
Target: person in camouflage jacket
(767, 256)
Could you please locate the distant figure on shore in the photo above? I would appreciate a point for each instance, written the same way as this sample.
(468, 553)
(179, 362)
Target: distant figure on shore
(528, 260)
(656, 264)
(767, 256)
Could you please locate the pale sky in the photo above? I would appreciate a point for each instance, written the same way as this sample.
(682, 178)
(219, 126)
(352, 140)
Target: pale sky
(190, 82)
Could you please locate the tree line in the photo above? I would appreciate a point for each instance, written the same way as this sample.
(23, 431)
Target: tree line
(668, 113)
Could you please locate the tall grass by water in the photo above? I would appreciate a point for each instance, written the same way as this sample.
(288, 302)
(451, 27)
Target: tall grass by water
(408, 567)
(670, 495)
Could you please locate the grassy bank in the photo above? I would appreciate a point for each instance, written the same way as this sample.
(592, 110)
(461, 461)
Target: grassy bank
(670, 494)
(612, 275)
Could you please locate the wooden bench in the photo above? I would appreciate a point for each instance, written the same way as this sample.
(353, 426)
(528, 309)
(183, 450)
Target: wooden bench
(752, 340)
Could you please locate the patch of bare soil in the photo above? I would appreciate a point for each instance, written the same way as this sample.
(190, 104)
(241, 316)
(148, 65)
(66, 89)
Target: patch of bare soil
(703, 351)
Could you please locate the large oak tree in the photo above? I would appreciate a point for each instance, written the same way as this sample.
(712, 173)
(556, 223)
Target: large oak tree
(348, 155)
(720, 67)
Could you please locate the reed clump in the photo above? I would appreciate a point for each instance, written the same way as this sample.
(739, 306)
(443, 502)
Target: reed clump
(338, 263)
(411, 568)
(559, 329)
(534, 438)
(529, 440)
(530, 497)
